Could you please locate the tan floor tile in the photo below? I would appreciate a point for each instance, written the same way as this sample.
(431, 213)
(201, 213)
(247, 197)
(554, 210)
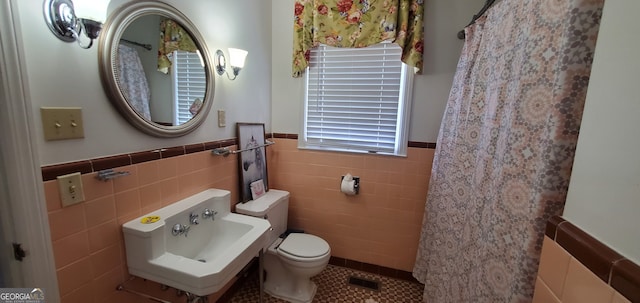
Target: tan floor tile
(333, 287)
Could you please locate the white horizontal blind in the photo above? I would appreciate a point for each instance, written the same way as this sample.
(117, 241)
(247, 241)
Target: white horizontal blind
(354, 98)
(190, 82)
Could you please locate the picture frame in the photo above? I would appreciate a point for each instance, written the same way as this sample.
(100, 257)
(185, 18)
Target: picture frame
(252, 160)
(257, 189)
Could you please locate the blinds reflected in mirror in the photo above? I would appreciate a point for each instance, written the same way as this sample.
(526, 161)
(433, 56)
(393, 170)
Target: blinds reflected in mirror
(190, 82)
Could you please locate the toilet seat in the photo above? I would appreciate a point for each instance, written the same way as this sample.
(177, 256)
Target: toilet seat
(303, 247)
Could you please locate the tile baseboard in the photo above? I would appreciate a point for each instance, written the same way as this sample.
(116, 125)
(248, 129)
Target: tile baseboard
(374, 269)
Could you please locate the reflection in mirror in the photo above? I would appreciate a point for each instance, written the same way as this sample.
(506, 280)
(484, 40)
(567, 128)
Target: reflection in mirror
(161, 75)
(154, 66)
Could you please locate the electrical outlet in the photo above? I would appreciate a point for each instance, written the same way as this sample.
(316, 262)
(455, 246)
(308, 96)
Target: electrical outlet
(70, 187)
(222, 119)
(59, 123)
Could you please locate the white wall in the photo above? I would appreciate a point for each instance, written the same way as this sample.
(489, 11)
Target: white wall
(604, 194)
(63, 74)
(443, 19)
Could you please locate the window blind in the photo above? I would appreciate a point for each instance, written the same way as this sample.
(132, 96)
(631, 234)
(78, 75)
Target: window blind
(190, 82)
(355, 98)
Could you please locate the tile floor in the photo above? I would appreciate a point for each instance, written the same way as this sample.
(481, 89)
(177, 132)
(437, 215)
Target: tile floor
(333, 288)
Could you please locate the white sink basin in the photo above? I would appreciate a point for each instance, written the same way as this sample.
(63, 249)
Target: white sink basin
(203, 261)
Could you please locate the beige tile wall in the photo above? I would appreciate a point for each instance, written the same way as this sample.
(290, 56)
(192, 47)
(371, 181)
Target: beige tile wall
(562, 278)
(380, 226)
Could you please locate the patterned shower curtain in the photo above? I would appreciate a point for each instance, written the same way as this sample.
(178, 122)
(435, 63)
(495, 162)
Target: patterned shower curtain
(505, 149)
(133, 80)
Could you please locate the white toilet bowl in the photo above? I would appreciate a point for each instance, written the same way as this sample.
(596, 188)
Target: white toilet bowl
(290, 263)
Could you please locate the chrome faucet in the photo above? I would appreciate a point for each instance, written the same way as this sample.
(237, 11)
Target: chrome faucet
(208, 213)
(180, 229)
(193, 219)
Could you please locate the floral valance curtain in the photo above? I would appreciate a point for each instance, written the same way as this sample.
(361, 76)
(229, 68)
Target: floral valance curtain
(358, 23)
(172, 37)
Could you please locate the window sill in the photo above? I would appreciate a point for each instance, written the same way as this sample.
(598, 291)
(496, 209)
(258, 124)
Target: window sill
(350, 151)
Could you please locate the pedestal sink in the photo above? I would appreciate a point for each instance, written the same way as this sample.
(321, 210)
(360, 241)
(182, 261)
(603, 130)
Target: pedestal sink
(196, 244)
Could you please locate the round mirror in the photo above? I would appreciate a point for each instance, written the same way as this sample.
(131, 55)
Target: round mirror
(155, 68)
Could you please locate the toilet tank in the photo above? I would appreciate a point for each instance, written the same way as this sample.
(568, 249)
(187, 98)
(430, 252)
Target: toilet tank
(273, 206)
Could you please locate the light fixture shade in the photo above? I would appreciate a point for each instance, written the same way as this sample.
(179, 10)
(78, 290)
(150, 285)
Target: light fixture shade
(95, 10)
(237, 57)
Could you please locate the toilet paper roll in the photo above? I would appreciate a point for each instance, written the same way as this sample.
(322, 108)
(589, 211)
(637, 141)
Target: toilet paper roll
(348, 185)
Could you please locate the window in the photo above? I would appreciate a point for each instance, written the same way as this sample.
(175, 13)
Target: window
(189, 82)
(357, 99)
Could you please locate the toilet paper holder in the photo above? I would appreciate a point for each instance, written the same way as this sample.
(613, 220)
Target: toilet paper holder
(356, 183)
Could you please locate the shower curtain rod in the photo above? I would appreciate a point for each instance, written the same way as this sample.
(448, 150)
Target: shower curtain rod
(145, 46)
(484, 9)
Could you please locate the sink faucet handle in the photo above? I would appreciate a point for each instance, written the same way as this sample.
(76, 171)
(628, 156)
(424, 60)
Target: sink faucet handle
(208, 213)
(193, 218)
(180, 229)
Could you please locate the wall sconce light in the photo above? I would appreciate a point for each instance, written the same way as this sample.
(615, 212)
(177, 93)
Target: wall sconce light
(236, 58)
(68, 19)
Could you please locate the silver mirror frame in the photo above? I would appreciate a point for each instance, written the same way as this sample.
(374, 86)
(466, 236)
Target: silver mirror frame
(113, 29)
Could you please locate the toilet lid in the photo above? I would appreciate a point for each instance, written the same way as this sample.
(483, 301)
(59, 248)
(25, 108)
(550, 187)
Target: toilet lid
(304, 245)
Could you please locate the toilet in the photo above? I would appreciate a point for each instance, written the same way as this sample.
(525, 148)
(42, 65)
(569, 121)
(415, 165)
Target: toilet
(291, 261)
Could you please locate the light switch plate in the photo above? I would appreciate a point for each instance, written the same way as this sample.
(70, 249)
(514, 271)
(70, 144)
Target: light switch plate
(59, 123)
(222, 118)
(71, 190)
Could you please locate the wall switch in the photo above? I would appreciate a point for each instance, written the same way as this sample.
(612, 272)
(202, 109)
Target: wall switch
(61, 123)
(70, 187)
(222, 118)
